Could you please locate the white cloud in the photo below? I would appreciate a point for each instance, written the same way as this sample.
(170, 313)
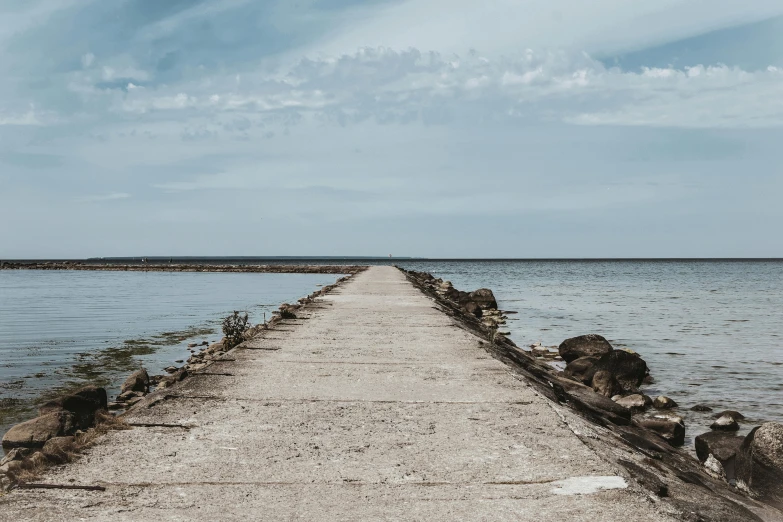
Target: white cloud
(387, 85)
(87, 60)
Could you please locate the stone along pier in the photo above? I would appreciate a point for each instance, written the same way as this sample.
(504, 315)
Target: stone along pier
(373, 404)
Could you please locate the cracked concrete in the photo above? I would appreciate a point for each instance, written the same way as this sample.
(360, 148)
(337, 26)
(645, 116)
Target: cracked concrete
(376, 407)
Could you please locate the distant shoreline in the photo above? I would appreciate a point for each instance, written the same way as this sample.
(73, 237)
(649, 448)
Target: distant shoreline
(179, 267)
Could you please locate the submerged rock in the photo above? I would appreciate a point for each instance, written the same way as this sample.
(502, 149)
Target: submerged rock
(35, 432)
(663, 403)
(583, 346)
(760, 462)
(725, 423)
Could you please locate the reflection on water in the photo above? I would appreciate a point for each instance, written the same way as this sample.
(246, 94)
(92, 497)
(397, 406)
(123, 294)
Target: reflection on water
(709, 330)
(61, 330)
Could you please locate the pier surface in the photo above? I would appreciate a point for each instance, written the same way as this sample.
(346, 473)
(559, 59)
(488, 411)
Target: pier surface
(372, 405)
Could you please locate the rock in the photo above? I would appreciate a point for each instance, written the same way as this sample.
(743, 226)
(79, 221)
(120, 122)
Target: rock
(14, 454)
(179, 361)
(671, 432)
(128, 395)
(663, 403)
(38, 459)
(34, 433)
(192, 345)
(670, 417)
(472, 308)
(137, 381)
(636, 402)
(581, 370)
(133, 401)
(760, 462)
(484, 298)
(714, 468)
(725, 423)
(724, 446)
(583, 346)
(57, 450)
(204, 343)
(114, 406)
(171, 369)
(701, 407)
(605, 384)
(737, 416)
(629, 369)
(83, 404)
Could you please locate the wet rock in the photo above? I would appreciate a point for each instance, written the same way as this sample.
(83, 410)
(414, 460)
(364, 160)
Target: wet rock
(671, 432)
(581, 370)
(721, 444)
(34, 433)
(57, 450)
(484, 298)
(83, 404)
(663, 403)
(583, 346)
(636, 402)
(670, 417)
(605, 384)
(737, 416)
(629, 369)
(725, 423)
(137, 381)
(204, 343)
(170, 369)
(701, 407)
(760, 463)
(192, 345)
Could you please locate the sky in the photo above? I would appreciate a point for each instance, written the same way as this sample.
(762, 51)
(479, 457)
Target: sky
(427, 128)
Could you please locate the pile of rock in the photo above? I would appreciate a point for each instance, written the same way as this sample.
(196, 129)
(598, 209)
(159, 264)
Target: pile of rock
(135, 387)
(49, 437)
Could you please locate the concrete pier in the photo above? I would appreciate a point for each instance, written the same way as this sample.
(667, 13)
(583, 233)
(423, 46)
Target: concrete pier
(373, 405)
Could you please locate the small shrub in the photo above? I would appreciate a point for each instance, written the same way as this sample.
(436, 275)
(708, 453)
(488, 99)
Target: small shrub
(287, 314)
(234, 327)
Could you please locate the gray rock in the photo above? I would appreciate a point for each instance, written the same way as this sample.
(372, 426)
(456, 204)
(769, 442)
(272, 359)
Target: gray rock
(83, 404)
(14, 454)
(605, 384)
(671, 432)
(663, 403)
(737, 416)
(636, 403)
(721, 445)
(137, 381)
(628, 368)
(34, 433)
(581, 370)
(725, 423)
(484, 298)
(583, 346)
(760, 463)
(701, 407)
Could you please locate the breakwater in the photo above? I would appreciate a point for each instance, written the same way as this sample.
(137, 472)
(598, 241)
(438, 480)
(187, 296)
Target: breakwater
(371, 402)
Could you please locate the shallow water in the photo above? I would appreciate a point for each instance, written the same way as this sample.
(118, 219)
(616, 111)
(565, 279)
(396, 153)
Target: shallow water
(63, 329)
(710, 331)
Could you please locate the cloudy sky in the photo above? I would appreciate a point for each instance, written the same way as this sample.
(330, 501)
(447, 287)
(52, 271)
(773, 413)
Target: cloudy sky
(440, 128)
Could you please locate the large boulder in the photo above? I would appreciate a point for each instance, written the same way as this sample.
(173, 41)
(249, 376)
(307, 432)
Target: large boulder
(760, 463)
(722, 446)
(670, 431)
(83, 404)
(581, 370)
(472, 308)
(137, 381)
(664, 403)
(34, 433)
(628, 368)
(583, 346)
(484, 298)
(605, 384)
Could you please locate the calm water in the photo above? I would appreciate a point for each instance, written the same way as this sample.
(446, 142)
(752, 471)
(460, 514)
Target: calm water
(67, 328)
(710, 331)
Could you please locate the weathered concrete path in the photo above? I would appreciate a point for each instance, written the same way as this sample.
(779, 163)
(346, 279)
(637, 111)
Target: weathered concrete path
(376, 406)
